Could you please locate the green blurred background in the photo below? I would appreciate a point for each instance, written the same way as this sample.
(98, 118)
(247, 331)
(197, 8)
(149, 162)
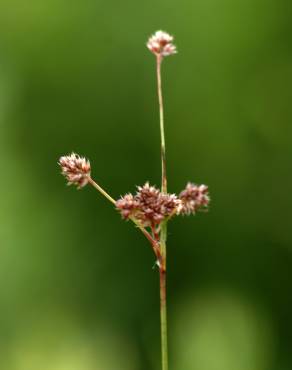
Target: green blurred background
(77, 288)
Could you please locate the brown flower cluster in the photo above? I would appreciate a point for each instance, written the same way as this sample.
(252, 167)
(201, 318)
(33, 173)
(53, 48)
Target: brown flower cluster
(149, 205)
(193, 197)
(161, 44)
(76, 169)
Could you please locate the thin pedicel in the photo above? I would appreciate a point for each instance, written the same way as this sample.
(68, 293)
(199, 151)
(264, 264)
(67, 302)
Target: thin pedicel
(149, 208)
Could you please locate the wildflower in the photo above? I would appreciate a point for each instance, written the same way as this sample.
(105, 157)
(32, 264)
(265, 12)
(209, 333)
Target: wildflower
(161, 44)
(193, 197)
(127, 205)
(149, 205)
(155, 206)
(76, 169)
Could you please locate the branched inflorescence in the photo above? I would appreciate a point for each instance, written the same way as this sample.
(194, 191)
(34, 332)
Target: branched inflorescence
(148, 205)
(149, 208)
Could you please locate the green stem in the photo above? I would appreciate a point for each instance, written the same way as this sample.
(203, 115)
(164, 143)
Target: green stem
(163, 233)
(163, 306)
(162, 136)
(101, 190)
(163, 319)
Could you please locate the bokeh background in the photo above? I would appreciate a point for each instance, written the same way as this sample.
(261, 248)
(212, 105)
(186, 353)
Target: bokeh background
(77, 288)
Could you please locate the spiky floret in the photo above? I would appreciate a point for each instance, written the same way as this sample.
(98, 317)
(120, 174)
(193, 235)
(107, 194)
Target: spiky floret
(149, 205)
(193, 197)
(161, 44)
(127, 205)
(76, 169)
(155, 205)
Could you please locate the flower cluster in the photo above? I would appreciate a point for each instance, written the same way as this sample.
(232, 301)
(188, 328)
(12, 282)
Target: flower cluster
(193, 197)
(161, 44)
(76, 169)
(149, 205)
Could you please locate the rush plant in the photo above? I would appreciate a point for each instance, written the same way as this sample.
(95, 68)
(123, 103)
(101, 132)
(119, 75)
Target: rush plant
(150, 208)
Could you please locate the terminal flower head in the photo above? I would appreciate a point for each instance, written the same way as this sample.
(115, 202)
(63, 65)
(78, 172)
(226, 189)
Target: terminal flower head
(161, 44)
(76, 169)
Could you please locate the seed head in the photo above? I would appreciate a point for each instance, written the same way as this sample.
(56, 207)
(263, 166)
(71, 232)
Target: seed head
(148, 205)
(127, 205)
(76, 169)
(155, 206)
(193, 197)
(161, 44)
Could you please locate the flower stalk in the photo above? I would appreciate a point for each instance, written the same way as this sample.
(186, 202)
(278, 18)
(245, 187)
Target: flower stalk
(163, 319)
(161, 119)
(101, 190)
(163, 235)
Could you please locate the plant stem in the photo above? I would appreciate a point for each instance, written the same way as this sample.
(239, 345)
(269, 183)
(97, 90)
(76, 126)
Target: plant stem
(162, 136)
(163, 319)
(163, 307)
(163, 233)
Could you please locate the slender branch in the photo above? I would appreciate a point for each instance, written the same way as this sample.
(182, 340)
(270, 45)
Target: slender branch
(155, 245)
(155, 233)
(100, 189)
